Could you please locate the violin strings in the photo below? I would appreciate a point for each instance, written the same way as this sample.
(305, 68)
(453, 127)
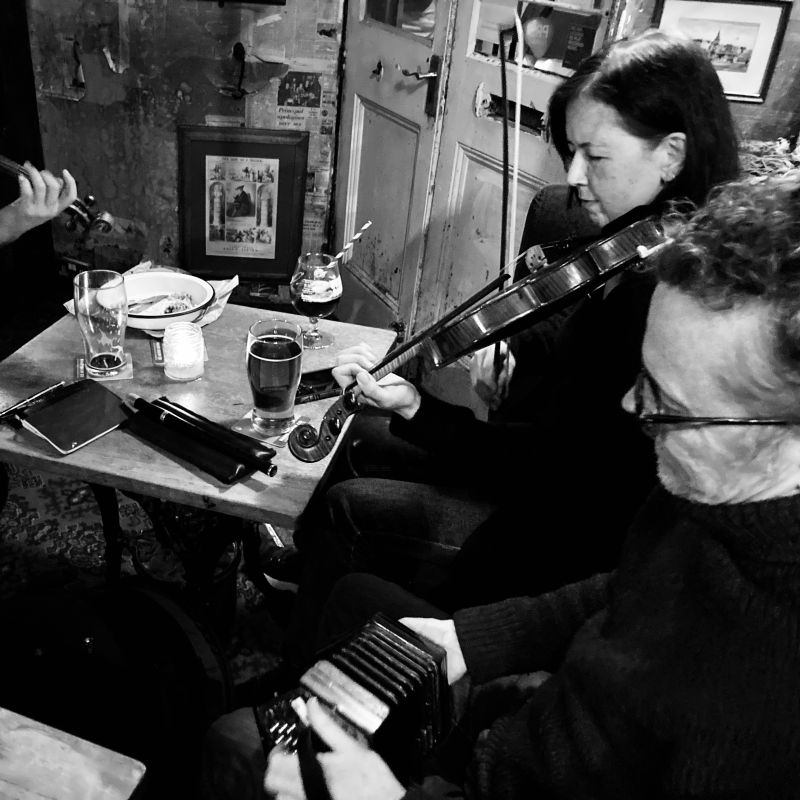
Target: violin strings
(512, 263)
(349, 245)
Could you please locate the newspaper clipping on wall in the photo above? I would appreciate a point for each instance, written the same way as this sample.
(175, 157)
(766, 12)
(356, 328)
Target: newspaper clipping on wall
(299, 99)
(241, 206)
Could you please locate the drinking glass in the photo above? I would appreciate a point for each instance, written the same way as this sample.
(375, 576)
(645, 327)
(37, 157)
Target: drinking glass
(274, 366)
(316, 288)
(101, 308)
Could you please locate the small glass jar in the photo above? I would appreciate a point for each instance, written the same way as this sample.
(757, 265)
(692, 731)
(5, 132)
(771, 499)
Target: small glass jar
(184, 352)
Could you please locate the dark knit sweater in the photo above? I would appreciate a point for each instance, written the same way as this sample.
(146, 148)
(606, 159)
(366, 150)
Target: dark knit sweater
(577, 437)
(676, 677)
(575, 432)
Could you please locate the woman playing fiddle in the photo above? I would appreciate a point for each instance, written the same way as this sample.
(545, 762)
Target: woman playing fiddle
(536, 504)
(640, 123)
(42, 197)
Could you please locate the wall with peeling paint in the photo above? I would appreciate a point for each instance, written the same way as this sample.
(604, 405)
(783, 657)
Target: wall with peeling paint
(114, 79)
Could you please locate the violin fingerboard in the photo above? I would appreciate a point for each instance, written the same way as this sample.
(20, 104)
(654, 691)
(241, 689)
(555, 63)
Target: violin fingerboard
(621, 248)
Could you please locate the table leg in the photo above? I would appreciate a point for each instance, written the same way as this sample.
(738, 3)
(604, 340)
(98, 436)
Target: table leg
(252, 564)
(3, 486)
(251, 540)
(108, 503)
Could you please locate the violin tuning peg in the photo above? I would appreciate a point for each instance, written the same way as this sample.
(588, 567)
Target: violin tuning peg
(103, 222)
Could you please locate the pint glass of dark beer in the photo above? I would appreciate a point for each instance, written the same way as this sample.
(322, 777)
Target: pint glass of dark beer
(274, 356)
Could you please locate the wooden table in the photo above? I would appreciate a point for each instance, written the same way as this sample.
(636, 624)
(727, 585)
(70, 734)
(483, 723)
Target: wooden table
(120, 461)
(37, 761)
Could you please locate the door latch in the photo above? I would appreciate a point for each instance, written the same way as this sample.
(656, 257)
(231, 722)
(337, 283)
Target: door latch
(432, 76)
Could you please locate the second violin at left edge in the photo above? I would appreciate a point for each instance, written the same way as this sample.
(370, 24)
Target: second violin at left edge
(80, 211)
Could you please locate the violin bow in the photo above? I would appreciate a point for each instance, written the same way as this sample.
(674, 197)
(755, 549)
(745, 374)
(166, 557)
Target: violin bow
(497, 361)
(498, 358)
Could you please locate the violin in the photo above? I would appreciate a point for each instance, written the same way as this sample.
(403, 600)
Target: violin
(79, 210)
(466, 329)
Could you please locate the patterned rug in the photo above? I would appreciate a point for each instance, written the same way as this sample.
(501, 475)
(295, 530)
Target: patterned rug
(52, 522)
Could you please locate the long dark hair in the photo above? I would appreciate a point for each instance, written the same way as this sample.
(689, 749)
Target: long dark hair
(659, 83)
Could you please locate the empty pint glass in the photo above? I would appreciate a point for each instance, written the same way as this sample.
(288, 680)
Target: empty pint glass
(101, 308)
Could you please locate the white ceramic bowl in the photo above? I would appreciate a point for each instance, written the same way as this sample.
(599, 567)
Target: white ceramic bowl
(140, 286)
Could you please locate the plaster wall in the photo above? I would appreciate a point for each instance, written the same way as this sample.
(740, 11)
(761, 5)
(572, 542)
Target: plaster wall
(779, 114)
(114, 79)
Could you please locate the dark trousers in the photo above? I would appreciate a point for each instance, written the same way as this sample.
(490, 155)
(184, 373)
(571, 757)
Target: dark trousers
(447, 540)
(408, 533)
(390, 509)
(370, 450)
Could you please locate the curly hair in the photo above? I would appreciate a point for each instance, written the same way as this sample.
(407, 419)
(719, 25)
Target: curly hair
(659, 83)
(743, 245)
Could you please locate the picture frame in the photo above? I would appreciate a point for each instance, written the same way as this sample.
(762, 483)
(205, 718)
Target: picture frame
(241, 201)
(743, 38)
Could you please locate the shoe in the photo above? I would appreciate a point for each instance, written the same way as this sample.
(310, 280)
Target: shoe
(282, 567)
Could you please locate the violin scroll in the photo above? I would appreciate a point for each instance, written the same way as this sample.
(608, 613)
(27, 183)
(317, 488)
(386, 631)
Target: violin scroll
(80, 211)
(306, 444)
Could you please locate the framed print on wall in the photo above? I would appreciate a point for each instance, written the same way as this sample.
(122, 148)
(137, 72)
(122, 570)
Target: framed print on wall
(742, 38)
(241, 200)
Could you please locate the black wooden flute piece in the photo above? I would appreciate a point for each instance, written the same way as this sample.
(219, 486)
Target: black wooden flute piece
(252, 454)
(238, 444)
(187, 446)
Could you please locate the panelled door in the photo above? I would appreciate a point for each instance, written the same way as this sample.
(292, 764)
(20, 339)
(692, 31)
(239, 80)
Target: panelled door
(432, 185)
(387, 138)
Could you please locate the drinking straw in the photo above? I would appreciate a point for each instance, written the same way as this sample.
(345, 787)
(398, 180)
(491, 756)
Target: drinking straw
(349, 245)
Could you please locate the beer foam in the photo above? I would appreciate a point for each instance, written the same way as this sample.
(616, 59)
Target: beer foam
(319, 291)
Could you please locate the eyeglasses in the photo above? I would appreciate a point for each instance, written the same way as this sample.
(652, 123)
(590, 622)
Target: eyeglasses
(647, 388)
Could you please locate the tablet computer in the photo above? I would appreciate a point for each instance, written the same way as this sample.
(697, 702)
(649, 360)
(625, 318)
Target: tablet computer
(70, 415)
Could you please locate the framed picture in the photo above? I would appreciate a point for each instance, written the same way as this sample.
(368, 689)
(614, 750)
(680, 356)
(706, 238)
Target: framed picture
(742, 38)
(241, 200)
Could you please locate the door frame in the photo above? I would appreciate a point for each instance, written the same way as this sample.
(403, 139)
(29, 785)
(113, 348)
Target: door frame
(405, 313)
